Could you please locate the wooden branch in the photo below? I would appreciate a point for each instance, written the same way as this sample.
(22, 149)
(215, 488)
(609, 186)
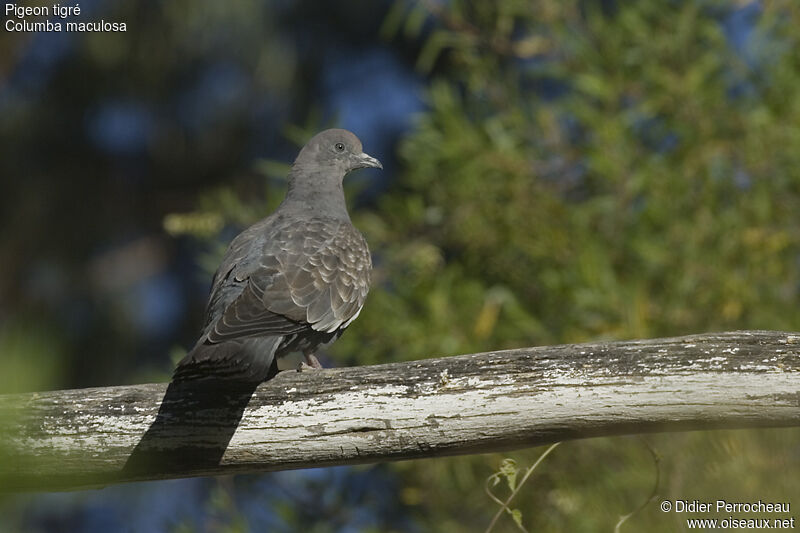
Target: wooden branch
(456, 405)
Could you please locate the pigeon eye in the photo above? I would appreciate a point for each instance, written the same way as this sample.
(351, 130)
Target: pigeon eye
(339, 147)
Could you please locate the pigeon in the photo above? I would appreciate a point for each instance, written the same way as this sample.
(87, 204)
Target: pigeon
(293, 281)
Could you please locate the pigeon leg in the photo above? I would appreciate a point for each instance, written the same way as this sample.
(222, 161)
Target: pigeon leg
(311, 362)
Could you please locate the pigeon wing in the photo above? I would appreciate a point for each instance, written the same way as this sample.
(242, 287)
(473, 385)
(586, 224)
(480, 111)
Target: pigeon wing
(308, 274)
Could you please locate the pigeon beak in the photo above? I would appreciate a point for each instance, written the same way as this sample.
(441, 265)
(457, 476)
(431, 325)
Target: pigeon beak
(363, 160)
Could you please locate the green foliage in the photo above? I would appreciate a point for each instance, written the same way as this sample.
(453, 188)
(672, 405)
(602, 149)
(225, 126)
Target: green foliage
(655, 191)
(32, 358)
(641, 202)
(508, 470)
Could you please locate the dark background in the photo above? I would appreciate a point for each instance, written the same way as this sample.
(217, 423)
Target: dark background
(554, 172)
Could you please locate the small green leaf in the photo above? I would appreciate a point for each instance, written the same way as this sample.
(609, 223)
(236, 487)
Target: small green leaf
(434, 45)
(508, 468)
(416, 18)
(516, 514)
(393, 20)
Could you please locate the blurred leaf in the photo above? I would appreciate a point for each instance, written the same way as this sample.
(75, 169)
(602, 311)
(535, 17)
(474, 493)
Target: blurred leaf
(508, 469)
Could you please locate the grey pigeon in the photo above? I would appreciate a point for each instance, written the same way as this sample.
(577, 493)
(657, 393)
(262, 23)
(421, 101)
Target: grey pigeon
(292, 281)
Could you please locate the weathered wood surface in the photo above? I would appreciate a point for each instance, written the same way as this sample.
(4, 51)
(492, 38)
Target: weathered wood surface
(456, 405)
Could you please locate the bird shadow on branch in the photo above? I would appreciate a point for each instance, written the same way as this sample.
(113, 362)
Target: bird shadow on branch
(194, 425)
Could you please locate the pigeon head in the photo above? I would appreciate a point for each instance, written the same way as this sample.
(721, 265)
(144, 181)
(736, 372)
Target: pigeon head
(335, 151)
(315, 180)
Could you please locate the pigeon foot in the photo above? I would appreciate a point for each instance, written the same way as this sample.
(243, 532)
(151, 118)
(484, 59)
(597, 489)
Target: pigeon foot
(311, 363)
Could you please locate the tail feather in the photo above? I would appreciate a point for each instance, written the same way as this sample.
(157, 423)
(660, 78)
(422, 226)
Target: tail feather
(248, 360)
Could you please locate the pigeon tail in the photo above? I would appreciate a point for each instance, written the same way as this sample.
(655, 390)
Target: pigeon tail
(245, 361)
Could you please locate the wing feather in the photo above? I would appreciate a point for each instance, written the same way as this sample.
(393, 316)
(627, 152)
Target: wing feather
(291, 277)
